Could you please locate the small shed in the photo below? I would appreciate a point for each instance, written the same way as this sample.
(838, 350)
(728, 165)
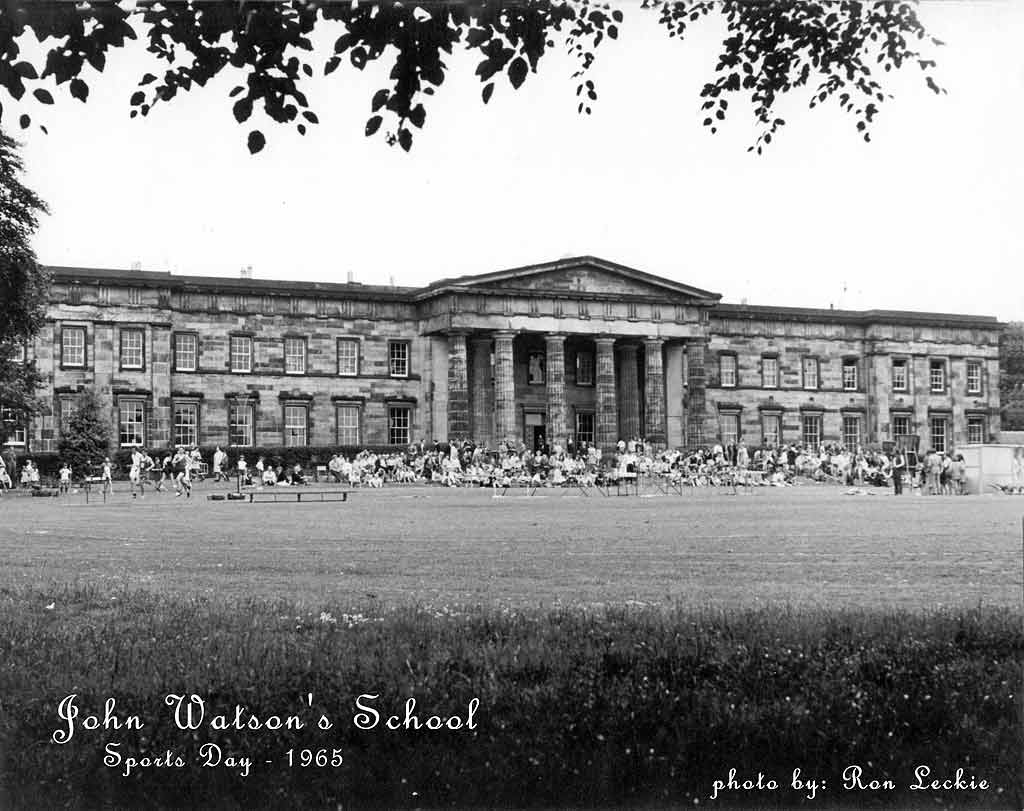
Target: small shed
(988, 465)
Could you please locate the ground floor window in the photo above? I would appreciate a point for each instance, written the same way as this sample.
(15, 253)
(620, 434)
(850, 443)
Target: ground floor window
(584, 428)
(975, 430)
(730, 428)
(240, 424)
(851, 431)
(132, 423)
(399, 424)
(811, 424)
(66, 405)
(296, 426)
(186, 424)
(12, 423)
(900, 427)
(348, 425)
(939, 434)
(772, 428)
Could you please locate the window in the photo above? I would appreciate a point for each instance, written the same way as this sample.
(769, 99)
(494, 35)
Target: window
(900, 427)
(131, 348)
(811, 424)
(851, 431)
(186, 352)
(899, 375)
(72, 346)
(727, 370)
(240, 423)
(398, 360)
(132, 423)
(939, 434)
(348, 357)
(241, 353)
(973, 377)
(186, 424)
(348, 425)
(13, 426)
(770, 373)
(66, 404)
(295, 356)
(937, 375)
(296, 426)
(398, 424)
(975, 430)
(772, 428)
(584, 427)
(850, 375)
(810, 367)
(730, 427)
(585, 369)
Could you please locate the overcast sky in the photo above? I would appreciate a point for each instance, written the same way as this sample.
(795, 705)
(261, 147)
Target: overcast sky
(927, 216)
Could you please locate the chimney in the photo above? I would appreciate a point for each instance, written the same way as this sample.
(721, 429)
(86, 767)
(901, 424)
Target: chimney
(391, 281)
(246, 272)
(351, 277)
(136, 265)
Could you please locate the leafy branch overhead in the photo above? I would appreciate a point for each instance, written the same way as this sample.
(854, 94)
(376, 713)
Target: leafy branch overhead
(830, 50)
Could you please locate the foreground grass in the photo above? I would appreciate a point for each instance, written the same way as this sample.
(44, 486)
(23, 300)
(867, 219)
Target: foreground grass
(631, 705)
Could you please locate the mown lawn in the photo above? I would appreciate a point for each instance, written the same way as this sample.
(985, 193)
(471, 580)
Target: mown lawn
(624, 652)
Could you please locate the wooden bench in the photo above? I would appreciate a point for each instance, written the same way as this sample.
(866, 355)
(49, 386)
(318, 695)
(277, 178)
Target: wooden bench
(296, 494)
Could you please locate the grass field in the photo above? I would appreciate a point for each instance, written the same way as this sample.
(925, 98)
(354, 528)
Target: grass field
(809, 546)
(626, 652)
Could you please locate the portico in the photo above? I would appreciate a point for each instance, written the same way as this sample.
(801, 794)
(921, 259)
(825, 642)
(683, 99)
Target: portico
(567, 351)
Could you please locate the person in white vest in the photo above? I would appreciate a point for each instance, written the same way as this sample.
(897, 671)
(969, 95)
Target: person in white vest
(219, 458)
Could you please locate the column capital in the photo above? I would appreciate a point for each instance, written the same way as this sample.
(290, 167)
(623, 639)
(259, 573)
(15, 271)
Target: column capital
(654, 340)
(606, 341)
(554, 336)
(504, 333)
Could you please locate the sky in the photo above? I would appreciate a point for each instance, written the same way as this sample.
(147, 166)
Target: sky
(925, 217)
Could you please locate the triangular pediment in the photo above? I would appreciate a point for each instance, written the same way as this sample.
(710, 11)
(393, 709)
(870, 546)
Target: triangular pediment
(583, 275)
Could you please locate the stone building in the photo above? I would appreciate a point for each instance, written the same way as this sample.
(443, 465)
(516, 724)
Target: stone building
(579, 348)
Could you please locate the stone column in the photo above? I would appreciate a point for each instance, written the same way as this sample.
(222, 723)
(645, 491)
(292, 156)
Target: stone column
(161, 420)
(654, 393)
(504, 388)
(607, 408)
(629, 392)
(696, 384)
(458, 388)
(557, 433)
(482, 398)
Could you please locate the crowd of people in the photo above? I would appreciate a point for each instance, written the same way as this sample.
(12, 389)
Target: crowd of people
(466, 464)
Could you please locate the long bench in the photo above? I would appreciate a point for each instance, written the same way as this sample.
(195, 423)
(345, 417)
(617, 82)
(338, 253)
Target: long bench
(296, 494)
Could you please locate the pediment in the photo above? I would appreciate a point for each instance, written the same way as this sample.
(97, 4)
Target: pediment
(582, 275)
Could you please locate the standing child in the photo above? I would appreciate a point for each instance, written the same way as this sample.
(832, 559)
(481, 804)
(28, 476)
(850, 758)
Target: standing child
(65, 479)
(106, 477)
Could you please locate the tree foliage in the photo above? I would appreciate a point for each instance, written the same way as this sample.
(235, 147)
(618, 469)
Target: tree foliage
(24, 285)
(833, 50)
(87, 440)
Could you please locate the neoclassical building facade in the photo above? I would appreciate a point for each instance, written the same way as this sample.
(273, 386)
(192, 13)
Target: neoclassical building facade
(579, 348)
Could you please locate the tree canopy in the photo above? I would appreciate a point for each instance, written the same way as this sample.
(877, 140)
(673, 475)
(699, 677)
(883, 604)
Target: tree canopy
(24, 285)
(835, 51)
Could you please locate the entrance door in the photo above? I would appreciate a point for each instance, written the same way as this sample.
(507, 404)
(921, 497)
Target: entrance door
(534, 428)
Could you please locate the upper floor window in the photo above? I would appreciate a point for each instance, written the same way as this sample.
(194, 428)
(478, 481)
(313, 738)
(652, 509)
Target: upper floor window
(770, 373)
(727, 370)
(186, 352)
(584, 368)
(810, 367)
(348, 357)
(72, 346)
(131, 348)
(899, 375)
(398, 359)
(241, 353)
(973, 377)
(850, 382)
(295, 356)
(937, 375)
